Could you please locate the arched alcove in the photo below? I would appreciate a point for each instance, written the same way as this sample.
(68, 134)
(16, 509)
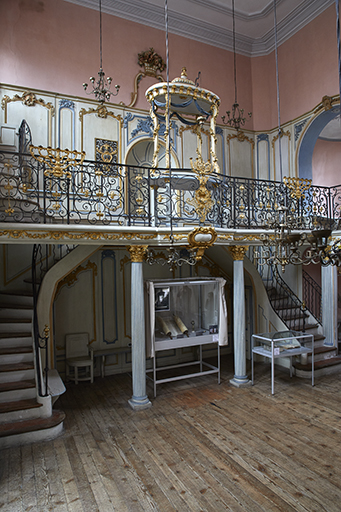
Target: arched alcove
(141, 154)
(309, 139)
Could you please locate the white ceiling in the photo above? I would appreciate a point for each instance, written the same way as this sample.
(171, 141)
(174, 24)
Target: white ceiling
(210, 21)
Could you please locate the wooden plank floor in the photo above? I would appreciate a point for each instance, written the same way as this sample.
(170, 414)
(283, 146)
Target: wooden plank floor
(201, 447)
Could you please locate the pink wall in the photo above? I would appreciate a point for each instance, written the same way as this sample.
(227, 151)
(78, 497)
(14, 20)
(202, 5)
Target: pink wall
(308, 70)
(326, 163)
(54, 45)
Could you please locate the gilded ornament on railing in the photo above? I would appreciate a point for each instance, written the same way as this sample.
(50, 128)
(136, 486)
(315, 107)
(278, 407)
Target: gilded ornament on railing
(202, 200)
(297, 186)
(57, 160)
(137, 252)
(8, 187)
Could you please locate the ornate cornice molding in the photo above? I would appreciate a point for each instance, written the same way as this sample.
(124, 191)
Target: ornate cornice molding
(17, 234)
(211, 33)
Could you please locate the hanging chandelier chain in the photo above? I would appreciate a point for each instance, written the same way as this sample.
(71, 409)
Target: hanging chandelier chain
(235, 117)
(278, 99)
(101, 87)
(234, 53)
(100, 32)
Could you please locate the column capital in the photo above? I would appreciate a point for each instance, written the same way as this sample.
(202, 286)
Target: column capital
(137, 252)
(238, 251)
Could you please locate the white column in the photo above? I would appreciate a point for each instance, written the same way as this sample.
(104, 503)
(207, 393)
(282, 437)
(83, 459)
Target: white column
(329, 305)
(240, 376)
(139, 400)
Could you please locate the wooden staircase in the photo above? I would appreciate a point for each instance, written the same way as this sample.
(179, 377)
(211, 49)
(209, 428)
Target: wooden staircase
(326, 359)
(24, 416)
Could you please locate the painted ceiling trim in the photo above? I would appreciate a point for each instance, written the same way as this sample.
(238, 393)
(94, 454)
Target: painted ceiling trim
(208, 33)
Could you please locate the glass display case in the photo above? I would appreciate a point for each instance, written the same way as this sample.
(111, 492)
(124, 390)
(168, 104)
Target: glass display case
(279, 344)
(183, 313)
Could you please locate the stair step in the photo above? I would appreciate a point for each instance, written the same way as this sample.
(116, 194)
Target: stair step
(19, 405)
(324, 350)
(324, 363)
(23, 307)
(20, 384)
(24, 426)
(16, 350)
(16, 367)
(15, 335)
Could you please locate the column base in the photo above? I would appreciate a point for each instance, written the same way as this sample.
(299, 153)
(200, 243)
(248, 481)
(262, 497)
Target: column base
(241, 382)
(139, 403)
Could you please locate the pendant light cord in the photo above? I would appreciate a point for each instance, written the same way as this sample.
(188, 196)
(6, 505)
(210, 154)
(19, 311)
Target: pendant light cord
(168, 125)
(234, 53)
(100, 32)
(278, 102)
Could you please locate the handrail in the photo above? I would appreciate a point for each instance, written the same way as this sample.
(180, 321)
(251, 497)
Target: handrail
(312, 295)
(101, 193)
(284, 301)
(40, 342)
(40, 266)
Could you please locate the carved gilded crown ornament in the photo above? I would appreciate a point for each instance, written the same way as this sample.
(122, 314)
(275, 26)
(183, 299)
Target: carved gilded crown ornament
(178, 98)
(57, 160)
(238, 251)
(137, 252)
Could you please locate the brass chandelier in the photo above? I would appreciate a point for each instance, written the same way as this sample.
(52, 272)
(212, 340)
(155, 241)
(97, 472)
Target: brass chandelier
(286, 246)
(235, 118)
(101, 87)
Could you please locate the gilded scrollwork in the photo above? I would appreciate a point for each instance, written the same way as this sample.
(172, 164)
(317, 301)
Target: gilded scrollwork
(27, 98)
(202, 200)
(59, 235)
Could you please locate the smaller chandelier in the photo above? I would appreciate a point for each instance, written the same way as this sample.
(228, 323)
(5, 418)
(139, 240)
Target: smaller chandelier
(101, 87)
(235, 118)
(174, 257)
(284, 247)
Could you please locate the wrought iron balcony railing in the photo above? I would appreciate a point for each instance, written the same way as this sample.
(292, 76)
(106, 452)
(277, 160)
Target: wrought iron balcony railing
(105, 193)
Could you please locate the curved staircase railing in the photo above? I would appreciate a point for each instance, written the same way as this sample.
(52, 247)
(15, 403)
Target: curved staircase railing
(284, 301)
(42, 261)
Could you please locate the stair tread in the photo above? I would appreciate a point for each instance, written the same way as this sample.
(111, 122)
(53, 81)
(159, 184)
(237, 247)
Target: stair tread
(16, 367)
(322, 350)
(16, 350)
(15, 334)
(14, 293)
(17, 320)
(24, 426)
(18, 405)
(20, 384)
(5, 305)
(324, 363)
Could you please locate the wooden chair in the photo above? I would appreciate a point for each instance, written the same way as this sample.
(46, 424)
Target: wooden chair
(78, 358)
